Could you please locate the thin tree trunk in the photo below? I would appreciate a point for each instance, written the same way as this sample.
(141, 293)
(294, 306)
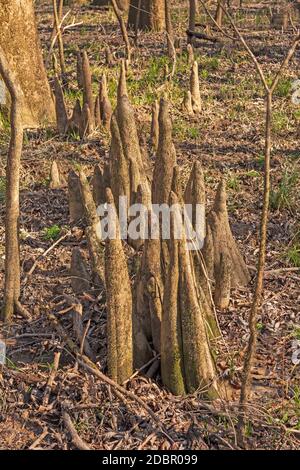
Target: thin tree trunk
(12, 257)
(219, 13)
(137, 23)
(169, 29)
(123, 29)
(151, 14)
(60, 13)
(251, 349)
(57, 21)
(192, 20)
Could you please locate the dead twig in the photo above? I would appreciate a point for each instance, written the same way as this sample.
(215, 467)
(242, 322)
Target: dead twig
(76, 439)
(123, 29)
(51, 378)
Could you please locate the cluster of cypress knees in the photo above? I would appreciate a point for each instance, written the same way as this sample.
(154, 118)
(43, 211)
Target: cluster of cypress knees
(169, 308)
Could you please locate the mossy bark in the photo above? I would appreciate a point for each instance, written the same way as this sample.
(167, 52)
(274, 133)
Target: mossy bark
(172, 366)
(119, 307)
(187, 362)
(149, 292)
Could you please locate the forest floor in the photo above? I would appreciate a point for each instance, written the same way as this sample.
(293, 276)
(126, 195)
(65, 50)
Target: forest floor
(228, 139)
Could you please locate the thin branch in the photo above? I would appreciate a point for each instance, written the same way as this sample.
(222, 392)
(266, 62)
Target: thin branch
(215, 22)
(123, 29)
(242, 40)
(285, 62)
(76, 439)
(59, 37)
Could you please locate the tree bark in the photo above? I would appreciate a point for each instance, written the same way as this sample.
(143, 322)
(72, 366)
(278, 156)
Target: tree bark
(151, 14)
(169, 29)
(219, 13)
(21, 46)
(12, 258)
(123, 5)
(192, 19)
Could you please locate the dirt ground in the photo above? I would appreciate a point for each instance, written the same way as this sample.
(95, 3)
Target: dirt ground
(228, 139)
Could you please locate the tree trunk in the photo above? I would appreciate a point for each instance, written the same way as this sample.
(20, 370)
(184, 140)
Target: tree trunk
(150, 13)
(20, 42)
(123, 5)
(219, 13)
(169, 29)
(192, 19)
(12, 259)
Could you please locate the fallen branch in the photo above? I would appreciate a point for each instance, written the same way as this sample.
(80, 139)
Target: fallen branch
(197, 35)
(76, 439)
(39, 439)
(51, 378)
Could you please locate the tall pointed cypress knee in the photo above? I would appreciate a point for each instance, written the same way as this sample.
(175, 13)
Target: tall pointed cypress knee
(155, 126)
(195, 89)
(163, 171)
(187, 104)
(131, 147)
(57, 179)
(100, 181)
(75, 122)
(119, 305)
(195, 196)
(122, 86)
(172, 365)
(97, 112)
(223, 283)
(60, 108)
(76, 209)
(199, 368)
(190, 54)
(224, 241)
(118, 165)
(105, 104)
(165, 159)
(149, 293)
(79, 70)
(87, 85)
(86, 121)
